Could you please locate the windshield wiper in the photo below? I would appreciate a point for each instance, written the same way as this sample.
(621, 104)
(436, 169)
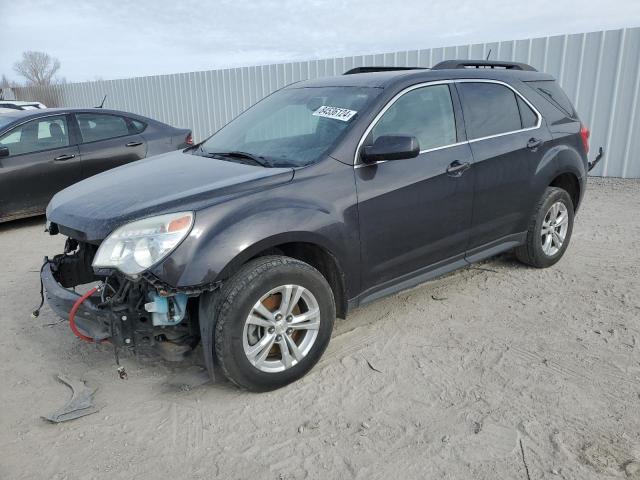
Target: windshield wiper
(235, 154)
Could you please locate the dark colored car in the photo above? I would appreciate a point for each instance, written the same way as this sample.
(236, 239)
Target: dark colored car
(45, 151)
(324, 196)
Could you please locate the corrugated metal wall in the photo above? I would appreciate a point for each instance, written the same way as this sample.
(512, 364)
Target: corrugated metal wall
(600, 71)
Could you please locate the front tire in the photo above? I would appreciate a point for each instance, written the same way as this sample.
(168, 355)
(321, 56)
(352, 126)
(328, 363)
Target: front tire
(274, 319)
(549, 230)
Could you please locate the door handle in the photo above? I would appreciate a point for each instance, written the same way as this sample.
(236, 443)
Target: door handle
(66, 156)
(133, 144)
(456, 168)
(534, 143)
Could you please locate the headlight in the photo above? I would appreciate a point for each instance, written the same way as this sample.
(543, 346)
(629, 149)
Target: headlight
(138, 245)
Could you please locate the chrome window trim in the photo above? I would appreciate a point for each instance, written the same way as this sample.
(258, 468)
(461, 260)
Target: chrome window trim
(535, 110)
(373, 123)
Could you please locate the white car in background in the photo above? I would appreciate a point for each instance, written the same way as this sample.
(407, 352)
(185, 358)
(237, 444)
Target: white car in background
(18, 105)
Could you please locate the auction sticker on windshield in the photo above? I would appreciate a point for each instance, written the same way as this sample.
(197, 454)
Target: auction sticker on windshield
(343, 114)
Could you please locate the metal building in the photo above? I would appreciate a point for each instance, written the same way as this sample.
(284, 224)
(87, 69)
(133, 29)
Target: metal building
(600, 71)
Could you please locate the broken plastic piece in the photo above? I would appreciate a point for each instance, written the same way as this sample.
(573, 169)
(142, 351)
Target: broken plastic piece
(81, 402)
(591, 165)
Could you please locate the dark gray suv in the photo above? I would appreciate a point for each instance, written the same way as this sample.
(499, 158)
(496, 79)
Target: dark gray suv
(324, 196)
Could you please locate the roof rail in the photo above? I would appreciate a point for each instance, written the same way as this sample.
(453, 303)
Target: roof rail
(453, 64)
(379, 69)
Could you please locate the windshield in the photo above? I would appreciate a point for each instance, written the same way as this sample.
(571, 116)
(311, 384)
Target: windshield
(293, 127)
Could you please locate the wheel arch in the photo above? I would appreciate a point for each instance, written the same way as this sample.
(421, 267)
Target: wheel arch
(569, 182)
(563, 167)
(304, 246)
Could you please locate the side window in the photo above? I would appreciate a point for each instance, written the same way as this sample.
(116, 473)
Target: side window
(37, 135)
(137, 126)
(425, 113)
(489, 109)
(528, 116)
(101, 126)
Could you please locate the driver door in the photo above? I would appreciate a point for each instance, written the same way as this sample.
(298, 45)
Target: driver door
(415, 214)
(43, 159)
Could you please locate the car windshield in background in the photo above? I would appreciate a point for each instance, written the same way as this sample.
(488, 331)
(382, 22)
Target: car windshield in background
(293, 127)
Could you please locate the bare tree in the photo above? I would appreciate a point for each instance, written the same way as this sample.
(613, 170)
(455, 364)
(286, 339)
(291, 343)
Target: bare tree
(37, 67)
(6, 83)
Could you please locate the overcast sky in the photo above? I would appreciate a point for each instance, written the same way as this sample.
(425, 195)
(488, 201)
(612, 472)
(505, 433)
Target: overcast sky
(115, 39)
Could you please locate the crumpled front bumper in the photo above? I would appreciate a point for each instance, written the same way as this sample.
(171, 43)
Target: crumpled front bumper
(92, 320)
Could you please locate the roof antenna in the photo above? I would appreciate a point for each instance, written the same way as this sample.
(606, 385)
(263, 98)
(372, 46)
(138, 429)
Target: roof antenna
(488, 54)
(102, 104)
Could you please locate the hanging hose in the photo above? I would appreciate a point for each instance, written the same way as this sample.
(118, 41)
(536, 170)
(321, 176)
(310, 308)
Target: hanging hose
(72, 316)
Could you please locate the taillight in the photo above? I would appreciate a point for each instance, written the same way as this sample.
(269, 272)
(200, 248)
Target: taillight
(584, 135)
(189, 139)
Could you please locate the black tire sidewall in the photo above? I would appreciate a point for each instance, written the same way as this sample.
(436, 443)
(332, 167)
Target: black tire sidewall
(553, 195)
(229, 348)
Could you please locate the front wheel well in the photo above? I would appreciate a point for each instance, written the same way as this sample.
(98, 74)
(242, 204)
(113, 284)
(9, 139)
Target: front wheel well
(322, 260)
(568, 182)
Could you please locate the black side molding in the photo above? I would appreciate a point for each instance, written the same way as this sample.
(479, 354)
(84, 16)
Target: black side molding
(455, 64)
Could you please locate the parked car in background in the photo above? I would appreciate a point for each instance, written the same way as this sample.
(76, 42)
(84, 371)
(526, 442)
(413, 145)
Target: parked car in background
(18, 105)
(44, 151)
(6, 110)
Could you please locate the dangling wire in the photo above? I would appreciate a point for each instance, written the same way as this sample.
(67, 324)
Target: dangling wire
(36, 312)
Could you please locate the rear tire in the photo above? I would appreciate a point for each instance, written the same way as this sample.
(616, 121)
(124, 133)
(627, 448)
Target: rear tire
(274, 319)
(549, 231)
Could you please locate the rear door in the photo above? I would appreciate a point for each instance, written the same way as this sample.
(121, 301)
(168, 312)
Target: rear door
(108, 141)
(507, 138)
(415, 213)
(43, 159)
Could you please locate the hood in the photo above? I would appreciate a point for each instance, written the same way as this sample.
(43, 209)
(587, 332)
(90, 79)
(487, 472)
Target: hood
(171, 182)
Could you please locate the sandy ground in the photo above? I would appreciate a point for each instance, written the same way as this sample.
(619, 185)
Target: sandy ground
(454, 379)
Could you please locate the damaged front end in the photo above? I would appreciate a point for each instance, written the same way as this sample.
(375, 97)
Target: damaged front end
(134, 313)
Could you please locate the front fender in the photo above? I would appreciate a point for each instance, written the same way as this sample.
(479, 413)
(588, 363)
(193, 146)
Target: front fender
(317, 207)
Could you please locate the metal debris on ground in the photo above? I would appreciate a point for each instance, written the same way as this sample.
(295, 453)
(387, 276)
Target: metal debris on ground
(80, 404)
(122, 373)
(372, 367)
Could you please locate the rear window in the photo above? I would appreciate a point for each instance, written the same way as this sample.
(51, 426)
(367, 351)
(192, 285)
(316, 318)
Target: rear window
(550, 90)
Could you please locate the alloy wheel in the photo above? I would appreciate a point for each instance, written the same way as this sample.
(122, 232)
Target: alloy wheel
(281, 328)
(554, 228)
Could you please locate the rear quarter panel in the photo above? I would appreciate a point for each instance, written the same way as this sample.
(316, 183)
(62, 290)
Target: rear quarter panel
(564, 151)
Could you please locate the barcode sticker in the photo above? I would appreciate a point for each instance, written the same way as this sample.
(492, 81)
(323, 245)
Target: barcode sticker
(342, 114)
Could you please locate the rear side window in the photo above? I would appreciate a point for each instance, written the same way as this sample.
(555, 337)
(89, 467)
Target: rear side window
(489, 109)
(137, 126)
(550, 90)
(425, 113)
(95, 127)
(37, 135)
(528, 116)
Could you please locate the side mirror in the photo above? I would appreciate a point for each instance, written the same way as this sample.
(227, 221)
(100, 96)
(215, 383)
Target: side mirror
(391, 147)
(4, 152)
